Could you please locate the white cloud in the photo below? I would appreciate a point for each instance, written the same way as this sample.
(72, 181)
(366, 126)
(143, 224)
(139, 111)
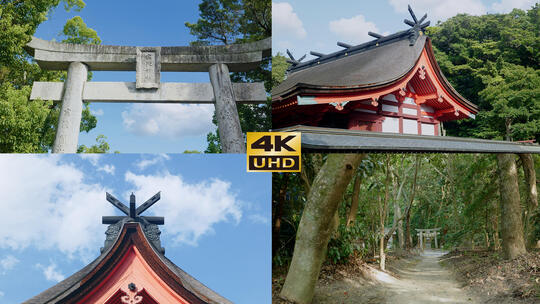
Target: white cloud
(439, 9)
(51, 272)
(98, 112)
(144, 163)
(285, 21)
(258, 219)
(50, 206)
(2, 294)
(353, 30)
(169, 120)
(94, 159)
(506, 6)
(190, 209)
(8, 263)
(107, 169)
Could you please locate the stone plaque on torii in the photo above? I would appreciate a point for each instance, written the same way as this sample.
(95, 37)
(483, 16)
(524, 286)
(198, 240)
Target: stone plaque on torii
(427, 234)
(148, 62)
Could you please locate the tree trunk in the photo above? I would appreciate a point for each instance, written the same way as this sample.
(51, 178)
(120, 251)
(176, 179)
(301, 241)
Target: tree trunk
(382, 255)
(315, 226)
(511, 228)
(532, 198)
(354, 201)
(279, 213)
(382, 216)
(335, 224)
(398, 220)
(397, 215)
(408, 237)
(496, 239)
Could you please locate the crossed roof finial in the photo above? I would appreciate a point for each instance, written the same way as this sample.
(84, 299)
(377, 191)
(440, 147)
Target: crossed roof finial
(133, 213)
(292, 60)
(417, 23)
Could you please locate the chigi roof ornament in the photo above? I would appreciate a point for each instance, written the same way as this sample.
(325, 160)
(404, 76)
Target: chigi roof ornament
(416, 30)
(133, 214)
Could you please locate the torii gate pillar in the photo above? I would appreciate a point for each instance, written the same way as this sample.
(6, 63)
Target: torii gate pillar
(69, 123)
(230, 131)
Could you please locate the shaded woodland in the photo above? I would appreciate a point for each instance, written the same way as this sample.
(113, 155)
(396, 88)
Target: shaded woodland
(336, 210)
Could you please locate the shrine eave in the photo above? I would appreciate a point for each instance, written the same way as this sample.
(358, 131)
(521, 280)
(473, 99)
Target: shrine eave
(330, 140)
(76, 287)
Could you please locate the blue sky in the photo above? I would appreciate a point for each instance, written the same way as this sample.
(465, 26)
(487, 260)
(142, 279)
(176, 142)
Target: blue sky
(304, 25)
(217, 218)
(156, 127)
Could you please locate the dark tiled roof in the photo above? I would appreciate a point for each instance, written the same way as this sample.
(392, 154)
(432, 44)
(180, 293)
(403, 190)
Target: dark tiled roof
(372, 66)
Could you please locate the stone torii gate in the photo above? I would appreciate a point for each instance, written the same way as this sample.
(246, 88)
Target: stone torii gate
(429, 234)
(148, 62)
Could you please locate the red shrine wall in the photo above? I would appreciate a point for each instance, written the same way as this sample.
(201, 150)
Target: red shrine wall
(395, 116)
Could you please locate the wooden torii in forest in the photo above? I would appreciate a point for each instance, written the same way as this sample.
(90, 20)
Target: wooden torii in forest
(148, 62)
(429, 234)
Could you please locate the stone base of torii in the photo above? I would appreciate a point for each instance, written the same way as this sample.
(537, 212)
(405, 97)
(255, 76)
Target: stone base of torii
(427, 235)
(148, 62)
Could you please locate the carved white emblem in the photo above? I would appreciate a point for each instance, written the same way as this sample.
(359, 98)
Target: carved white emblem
(131, 297)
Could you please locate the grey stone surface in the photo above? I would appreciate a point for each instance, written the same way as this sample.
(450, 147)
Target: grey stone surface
(341, 140)
(168, 92)
(239, 57)
(67, 133)
(230, 131)
(148, 67)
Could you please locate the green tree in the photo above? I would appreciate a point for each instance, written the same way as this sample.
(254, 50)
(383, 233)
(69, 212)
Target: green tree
(514, 109)
(237, 21)
(279, 68)
(78, 32)
(219, 22)
(101, 146)
(30, 126)
(493, 61)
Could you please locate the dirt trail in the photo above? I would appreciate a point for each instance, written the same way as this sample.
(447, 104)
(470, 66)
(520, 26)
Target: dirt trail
(426, 282)
(421, 280)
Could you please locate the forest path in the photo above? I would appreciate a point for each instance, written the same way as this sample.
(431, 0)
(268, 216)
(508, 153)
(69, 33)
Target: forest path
(419, 279)
(425, 282)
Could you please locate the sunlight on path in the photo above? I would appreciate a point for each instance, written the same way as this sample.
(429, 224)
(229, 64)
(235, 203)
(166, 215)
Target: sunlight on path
(426, 282)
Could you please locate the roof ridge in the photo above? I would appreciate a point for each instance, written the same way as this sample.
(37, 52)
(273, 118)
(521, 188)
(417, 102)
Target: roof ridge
(413, 33)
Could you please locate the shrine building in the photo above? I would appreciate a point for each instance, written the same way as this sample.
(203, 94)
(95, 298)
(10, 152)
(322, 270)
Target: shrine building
(391, 84)
(132, 267)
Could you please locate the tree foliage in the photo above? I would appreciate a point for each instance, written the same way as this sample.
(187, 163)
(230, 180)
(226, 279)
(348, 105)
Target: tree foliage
(30, 126)
(77, 32)
(219, 22)
(493, 60)
(237, 21)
